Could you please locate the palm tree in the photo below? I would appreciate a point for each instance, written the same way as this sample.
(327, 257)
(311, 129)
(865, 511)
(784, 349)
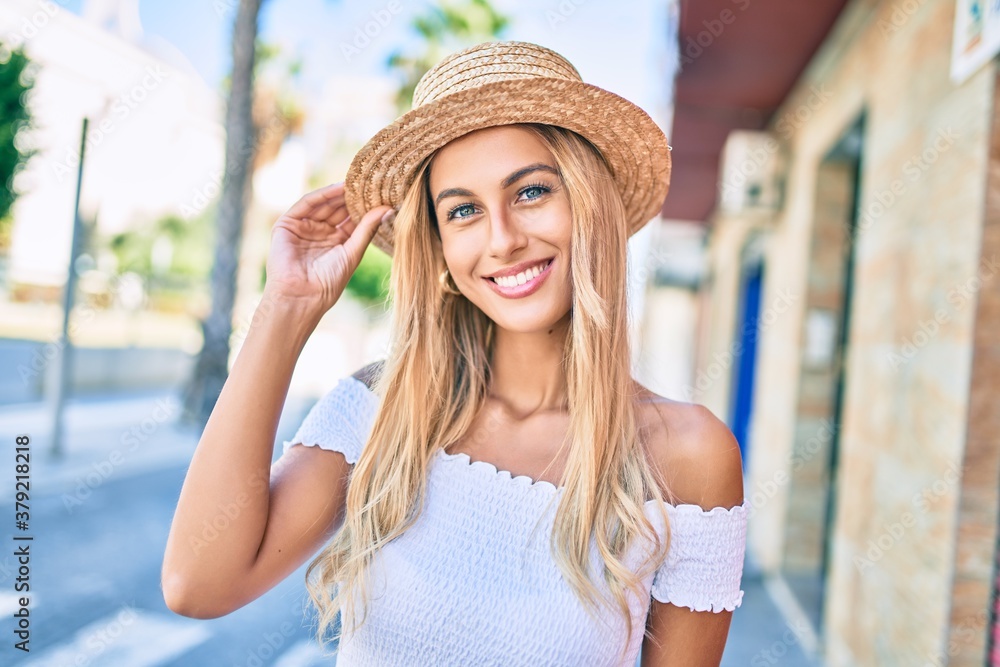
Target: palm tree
(212, 365)
(16, 81)
(443, 29)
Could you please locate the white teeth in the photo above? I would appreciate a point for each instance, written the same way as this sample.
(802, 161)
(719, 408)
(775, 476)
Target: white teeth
(521, 278)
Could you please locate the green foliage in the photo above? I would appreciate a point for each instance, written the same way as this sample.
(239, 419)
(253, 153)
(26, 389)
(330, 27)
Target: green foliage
(370, 282)
(267, 58)
(16, 80)
(190, 245)
(443, 29)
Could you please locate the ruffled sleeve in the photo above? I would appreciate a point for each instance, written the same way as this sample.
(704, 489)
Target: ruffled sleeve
(340, 421)
(704, 567)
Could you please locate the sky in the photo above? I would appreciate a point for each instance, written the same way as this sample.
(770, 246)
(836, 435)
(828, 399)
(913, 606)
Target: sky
(613, 45)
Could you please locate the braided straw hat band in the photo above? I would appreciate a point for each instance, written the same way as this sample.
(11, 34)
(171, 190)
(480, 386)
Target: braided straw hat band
(497, 84)
(459, 71)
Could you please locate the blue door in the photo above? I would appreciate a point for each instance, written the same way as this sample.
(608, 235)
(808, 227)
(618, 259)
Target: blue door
(741, 403)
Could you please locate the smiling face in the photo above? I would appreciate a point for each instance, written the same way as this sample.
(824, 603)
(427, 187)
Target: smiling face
(500, 206)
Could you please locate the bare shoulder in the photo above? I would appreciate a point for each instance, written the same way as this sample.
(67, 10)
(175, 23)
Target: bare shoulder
(695, 452)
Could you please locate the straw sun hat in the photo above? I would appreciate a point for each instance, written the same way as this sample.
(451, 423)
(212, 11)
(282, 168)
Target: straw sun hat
(499, 83)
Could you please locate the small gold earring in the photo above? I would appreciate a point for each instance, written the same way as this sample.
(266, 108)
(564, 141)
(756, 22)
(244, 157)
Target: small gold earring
(447, 282)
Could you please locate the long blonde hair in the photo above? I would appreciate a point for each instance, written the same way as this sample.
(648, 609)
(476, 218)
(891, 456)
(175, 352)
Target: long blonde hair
(436, 379)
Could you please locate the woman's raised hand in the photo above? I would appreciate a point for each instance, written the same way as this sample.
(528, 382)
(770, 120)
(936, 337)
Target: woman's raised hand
(316, 247)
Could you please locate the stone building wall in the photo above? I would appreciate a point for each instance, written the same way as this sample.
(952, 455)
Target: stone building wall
(916, 282)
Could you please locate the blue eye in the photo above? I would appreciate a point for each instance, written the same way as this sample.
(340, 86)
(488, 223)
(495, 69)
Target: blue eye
(534, 186)
(451, 213)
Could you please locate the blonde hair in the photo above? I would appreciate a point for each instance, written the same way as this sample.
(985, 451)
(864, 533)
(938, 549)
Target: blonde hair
(436, 379)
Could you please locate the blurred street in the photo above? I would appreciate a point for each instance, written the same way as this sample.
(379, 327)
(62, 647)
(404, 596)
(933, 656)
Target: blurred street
(96, 557)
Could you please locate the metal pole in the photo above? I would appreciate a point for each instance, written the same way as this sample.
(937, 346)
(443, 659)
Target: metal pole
(60, 380)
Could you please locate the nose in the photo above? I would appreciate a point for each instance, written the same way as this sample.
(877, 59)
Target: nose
(506, 234)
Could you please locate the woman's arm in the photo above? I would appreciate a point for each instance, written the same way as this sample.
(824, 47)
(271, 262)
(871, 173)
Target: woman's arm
(241, 527)
(702, 465)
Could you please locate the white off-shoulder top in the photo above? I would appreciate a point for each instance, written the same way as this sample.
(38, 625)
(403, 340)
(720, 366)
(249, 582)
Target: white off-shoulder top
(468, 583)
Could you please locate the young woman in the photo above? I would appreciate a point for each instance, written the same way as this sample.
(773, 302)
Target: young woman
(499, 489)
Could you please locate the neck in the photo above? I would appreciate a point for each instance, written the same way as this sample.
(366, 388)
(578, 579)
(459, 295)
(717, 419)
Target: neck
(528, 376)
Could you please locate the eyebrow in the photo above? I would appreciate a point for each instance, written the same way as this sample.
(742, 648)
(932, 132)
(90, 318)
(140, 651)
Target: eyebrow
(505, 183)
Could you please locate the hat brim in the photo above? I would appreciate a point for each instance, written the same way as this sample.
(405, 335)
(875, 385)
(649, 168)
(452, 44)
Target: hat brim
(632, 143)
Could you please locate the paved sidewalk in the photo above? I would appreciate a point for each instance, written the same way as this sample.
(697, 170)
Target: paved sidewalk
(760, 634)
(105, 437)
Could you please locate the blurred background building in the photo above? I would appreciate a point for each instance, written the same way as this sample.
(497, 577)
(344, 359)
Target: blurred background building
(842, 157)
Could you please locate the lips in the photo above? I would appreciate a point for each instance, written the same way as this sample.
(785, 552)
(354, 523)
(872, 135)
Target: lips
(514, 290)
(521, 277)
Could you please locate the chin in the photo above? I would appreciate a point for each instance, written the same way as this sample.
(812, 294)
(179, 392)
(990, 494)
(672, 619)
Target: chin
(529, 321)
